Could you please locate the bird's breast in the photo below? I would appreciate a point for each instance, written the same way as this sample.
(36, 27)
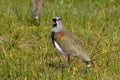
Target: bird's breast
(58, 37)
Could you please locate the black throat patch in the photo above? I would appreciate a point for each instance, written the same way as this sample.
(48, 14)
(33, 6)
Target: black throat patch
(55, 25)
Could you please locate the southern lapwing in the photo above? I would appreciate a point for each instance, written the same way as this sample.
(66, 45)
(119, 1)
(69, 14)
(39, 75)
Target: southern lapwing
(67, 43)
(36, 8)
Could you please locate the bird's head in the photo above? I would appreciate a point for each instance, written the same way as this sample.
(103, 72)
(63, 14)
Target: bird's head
(57, 24)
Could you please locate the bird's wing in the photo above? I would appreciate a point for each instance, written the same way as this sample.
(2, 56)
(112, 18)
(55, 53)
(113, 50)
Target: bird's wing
(71, 44)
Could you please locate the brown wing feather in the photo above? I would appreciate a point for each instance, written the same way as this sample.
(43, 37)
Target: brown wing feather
(71, 44)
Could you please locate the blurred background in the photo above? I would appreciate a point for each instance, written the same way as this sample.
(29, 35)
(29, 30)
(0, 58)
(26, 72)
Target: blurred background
(27, 52)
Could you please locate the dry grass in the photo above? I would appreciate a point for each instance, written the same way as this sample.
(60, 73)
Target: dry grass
(27, 51)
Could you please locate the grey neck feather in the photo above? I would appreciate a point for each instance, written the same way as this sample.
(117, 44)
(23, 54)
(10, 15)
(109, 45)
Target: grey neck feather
(58, 27)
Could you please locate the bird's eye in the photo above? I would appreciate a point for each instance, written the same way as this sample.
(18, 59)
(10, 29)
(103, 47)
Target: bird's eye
(54, 20)
(59, 19)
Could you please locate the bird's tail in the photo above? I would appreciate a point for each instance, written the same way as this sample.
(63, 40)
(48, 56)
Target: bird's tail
(89, 63)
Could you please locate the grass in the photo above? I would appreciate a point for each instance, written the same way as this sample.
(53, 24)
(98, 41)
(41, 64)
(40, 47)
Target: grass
(27, 53)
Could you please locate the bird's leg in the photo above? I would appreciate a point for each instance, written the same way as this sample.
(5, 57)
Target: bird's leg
(69, 59)
(65, 59)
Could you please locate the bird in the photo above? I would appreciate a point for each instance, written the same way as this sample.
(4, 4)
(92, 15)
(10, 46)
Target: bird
(67, 43)
(36, 7)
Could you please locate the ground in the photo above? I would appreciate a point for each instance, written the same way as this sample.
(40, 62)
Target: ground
(27, 52)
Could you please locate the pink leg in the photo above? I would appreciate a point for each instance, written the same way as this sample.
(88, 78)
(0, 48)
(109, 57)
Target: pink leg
(69, 59)
(65, 58)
